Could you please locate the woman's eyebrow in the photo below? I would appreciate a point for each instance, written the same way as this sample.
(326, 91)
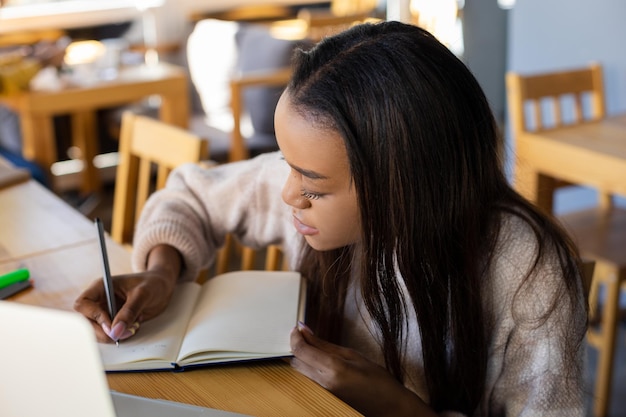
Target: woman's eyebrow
(309, 173)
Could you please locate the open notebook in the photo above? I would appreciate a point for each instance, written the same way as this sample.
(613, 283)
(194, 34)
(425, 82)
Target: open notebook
(36, 347)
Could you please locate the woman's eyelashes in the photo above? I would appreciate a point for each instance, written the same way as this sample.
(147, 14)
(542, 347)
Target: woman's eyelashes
(309, 195)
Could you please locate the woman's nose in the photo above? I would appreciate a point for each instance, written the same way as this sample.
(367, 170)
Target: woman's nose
(292, 194)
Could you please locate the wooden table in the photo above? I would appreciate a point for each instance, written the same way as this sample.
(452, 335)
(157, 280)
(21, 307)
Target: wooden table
(62, 264)
(33, 221)
(38, 108)
(592, 153)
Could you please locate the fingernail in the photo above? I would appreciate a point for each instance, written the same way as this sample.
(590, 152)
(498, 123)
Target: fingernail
(106, 329)
(117, 331)
(130, 331)
(304, 327)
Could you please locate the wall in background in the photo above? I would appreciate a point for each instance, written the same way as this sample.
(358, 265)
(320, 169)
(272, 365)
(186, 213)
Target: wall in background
(485, 43)
(559, 34)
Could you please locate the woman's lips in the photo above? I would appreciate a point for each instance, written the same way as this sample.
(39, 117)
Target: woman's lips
(303, 228)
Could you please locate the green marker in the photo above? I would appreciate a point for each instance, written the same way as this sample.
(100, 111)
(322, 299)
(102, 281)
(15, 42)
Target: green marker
(14, 277)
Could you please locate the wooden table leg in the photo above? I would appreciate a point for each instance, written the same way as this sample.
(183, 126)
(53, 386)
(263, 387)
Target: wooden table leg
(85, 137)
(38, 141)
(175, 109)
(536, 187)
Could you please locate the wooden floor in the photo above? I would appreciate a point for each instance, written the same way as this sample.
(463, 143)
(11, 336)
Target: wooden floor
(100, 206)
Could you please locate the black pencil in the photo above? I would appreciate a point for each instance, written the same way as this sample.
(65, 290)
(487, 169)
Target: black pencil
(106, 271)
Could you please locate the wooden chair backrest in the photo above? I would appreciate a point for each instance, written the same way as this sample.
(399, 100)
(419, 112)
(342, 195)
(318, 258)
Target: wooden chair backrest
(238, 84)
(146, 143)
(237, 257)
(564, 92)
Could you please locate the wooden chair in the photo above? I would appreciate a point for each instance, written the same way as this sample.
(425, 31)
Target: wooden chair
(239, 257)
(235, 98)
(144, 143)
(600, 232)
(544, 101)
(239, 150)
(238, 84)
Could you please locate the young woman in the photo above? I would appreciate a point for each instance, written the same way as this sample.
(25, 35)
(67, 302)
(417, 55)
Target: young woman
(435, 289)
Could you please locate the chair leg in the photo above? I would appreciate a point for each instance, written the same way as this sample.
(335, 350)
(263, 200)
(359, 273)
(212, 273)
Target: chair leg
(248, 257)
(594, 315)
(272, 259)
(202, 276)
(606, 351)
(223, 256)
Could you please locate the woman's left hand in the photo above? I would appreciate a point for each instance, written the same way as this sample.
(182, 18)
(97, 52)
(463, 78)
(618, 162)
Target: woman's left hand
(364, 385)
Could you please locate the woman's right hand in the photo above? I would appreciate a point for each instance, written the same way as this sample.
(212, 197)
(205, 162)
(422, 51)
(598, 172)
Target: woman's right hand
(139, 297)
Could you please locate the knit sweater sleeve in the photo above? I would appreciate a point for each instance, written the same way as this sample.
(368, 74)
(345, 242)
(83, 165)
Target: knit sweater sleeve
(199, 206)
(535, 359)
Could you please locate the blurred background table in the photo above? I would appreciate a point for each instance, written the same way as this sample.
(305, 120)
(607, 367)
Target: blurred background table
(591, 153)
(38, 108)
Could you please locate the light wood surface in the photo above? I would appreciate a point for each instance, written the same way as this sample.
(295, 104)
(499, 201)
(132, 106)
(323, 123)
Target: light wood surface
(592, 153)
(262, 389)
(34, 221)
(61, 274)
(68, 260)
(37, 109)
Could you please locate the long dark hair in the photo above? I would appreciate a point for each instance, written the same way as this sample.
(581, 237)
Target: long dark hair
(424, 155)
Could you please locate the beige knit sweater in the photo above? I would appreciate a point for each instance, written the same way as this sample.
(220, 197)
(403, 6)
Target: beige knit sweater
(525, 375)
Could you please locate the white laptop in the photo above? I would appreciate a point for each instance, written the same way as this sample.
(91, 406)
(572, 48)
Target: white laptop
(51, 367)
